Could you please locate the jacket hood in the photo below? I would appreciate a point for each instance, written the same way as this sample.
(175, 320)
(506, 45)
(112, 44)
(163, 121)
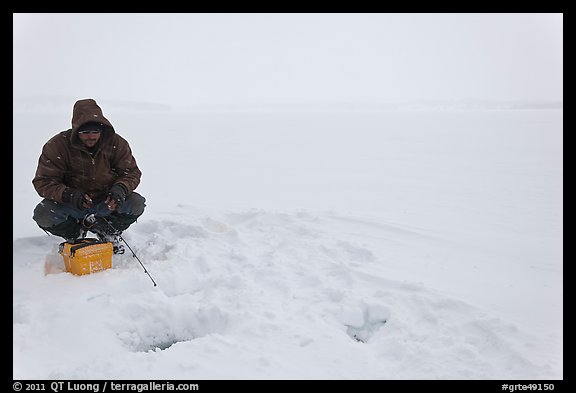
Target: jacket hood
(88, 111)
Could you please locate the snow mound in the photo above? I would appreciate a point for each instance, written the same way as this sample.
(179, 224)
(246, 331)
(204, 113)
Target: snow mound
(261, 294)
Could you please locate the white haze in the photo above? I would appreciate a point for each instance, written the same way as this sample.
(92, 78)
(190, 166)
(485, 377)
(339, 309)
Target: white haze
(195, 59)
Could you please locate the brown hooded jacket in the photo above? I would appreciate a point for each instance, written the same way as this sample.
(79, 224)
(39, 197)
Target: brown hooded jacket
(66, 162)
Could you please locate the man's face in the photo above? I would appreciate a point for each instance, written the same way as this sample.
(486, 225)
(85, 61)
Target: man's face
(89, 138)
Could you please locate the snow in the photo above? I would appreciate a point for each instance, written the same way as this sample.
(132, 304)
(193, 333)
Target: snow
(385, 244)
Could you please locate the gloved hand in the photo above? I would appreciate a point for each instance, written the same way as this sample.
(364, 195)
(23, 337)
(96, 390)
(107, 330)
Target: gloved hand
(116, 196)
(76, 198)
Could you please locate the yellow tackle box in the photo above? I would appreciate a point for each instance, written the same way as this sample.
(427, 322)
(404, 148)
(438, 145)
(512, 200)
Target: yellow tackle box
(86, 256)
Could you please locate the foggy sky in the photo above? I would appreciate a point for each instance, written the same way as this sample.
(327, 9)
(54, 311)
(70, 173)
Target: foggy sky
(188, 59)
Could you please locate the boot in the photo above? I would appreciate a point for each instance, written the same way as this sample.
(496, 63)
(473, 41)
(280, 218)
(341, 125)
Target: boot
(104, 231)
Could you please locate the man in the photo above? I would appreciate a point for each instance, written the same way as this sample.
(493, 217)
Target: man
(87, 176)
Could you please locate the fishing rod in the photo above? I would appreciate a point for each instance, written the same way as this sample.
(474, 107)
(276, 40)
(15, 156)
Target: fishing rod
(92, 219)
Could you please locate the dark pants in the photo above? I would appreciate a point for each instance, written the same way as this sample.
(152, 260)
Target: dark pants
(64, 220)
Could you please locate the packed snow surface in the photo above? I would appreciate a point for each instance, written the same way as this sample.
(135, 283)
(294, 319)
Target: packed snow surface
(407, 244)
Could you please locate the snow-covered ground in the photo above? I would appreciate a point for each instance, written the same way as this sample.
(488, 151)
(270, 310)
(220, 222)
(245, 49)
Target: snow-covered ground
(405, 244)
